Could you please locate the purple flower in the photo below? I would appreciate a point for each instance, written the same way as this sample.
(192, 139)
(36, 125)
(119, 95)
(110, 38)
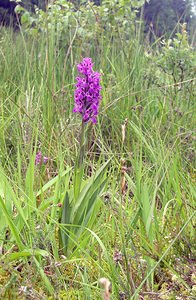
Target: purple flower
(45, 159)
(87, 94)
(40, 159)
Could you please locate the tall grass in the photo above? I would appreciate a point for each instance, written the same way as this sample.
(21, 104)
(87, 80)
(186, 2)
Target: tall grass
(137, 234)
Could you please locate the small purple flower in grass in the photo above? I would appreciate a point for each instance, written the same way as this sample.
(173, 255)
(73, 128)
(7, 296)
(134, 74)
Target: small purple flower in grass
(40, 159)
(87, 94)
(45, 159)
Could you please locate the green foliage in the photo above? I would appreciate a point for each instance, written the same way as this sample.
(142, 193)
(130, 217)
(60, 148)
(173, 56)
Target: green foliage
(131, 222)
(176, 61)
(86, 23)
(79, 208)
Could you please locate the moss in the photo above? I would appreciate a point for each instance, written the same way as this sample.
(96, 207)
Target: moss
(4, 276)
(70, 294)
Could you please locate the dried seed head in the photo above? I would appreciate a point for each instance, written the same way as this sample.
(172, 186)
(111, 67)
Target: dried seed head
(123, 126)
(107, 287)
(123, 180)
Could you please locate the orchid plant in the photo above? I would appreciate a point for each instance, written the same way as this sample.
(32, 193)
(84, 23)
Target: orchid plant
(82, 202)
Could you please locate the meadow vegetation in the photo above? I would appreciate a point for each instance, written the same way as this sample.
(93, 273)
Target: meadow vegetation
(128, 214)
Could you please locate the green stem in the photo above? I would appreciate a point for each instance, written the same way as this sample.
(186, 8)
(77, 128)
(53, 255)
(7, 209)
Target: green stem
(79, 168)
(82, 145)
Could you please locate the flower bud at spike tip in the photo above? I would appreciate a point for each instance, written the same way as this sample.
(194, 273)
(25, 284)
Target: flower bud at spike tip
(87, 93)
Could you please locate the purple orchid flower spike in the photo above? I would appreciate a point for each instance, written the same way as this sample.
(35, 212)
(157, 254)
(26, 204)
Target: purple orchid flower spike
(87, 94)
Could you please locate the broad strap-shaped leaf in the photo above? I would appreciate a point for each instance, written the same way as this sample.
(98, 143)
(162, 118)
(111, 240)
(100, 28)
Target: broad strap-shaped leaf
(83, 218)
(78, 175)
(65, 219)
(87, 192)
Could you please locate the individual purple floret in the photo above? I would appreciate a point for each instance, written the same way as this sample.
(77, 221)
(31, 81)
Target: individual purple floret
(87, 94)
(45, 159)
(39, 159)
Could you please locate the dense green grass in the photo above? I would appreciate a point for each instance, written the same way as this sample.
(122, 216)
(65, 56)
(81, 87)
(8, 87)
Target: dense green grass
(141, 232)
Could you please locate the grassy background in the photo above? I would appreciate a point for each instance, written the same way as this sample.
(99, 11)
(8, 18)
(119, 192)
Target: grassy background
(141, 233)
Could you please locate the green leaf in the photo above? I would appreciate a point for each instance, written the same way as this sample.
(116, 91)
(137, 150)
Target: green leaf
(45, 278)
(10, 198)
(29, 182)
(145, 207)
(53, 181)
(88, 190)
(76, 214)
(65, 219)
(78, 175)
(84, 214)
(11, 225)
(27, 253)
